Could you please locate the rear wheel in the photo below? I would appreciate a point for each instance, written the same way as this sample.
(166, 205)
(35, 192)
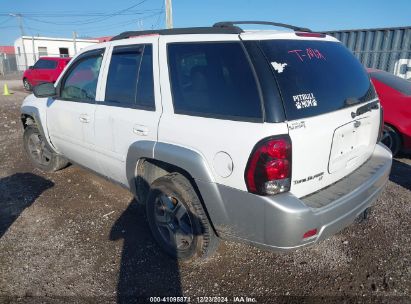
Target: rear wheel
(27, 84)
(38, 152)
(391, 139)
(177, 219)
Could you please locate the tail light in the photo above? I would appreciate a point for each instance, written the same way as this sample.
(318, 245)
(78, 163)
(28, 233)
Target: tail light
(268, 170)
(310, 34)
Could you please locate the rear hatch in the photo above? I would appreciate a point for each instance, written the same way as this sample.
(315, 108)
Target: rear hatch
(331, 108)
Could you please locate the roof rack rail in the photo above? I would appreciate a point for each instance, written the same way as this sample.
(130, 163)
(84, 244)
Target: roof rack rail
(180, 31)
(231, 24)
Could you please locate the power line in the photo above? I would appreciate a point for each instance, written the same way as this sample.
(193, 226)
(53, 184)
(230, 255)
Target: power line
(159, 16)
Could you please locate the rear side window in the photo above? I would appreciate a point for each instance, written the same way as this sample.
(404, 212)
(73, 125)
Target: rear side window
(130, 77)
(213, 79)
(395, 82)
(316, 77)
(45, 64)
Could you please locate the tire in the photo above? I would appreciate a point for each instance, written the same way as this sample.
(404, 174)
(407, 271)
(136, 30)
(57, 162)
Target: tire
(38, 152)
(26, 84)
(391, 139)
(178, 221)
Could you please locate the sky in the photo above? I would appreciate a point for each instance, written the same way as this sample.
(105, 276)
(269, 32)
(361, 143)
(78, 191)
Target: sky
(95, 18)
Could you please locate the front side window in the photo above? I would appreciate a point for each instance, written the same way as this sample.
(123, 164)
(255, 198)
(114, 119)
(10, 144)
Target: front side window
(130, 77)
(213, 79)
(80, 83)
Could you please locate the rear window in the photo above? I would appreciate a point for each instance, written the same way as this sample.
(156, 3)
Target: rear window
(213, 79)
(316, 77)
(395, 82)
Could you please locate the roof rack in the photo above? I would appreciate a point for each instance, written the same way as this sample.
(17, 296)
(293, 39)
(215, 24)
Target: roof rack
(225, 27)
(231, 24)
(180, 31)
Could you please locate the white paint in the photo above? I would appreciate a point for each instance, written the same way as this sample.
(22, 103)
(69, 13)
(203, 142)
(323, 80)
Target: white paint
(279, 67)
(223, 164)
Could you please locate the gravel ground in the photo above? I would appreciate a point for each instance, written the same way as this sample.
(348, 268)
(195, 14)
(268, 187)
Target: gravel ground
(71, 236)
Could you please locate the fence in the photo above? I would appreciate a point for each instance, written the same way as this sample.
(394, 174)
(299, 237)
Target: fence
(8, 64)
(387, 49)
(395, 62)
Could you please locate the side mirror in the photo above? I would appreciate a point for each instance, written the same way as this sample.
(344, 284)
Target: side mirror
(46, 89)
(31, 67)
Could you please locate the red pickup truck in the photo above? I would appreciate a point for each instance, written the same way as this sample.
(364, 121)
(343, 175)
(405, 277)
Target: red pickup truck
(46, 69)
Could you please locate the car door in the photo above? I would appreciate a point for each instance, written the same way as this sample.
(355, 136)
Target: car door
(46, 70)
(34, 72)
(131, 107)
(70, 116)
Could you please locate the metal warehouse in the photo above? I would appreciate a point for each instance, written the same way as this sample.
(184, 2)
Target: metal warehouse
(386, 49)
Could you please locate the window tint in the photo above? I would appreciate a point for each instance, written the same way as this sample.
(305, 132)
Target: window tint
(395, 82)
(213, 80)
(130, 77)
(145, 87)
(316, 77)
(80, 83)
(45, 64)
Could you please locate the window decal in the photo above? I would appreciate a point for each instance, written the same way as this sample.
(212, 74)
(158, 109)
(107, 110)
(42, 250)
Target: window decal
(279, 67)
(305, 101)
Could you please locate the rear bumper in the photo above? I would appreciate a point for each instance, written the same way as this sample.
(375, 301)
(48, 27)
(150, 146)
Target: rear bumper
(279, 222)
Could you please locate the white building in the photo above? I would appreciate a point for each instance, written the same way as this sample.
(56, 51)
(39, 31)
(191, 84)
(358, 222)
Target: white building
(35, 47)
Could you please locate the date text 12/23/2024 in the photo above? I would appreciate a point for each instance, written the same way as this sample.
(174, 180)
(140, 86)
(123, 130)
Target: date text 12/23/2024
(234, 299)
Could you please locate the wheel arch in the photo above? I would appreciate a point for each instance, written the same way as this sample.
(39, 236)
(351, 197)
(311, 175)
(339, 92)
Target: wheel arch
(396, 129)
(149, 160)
(31, 116)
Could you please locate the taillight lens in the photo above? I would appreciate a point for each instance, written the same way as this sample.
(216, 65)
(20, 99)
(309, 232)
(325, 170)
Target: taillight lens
(310, 34)
(268, 170)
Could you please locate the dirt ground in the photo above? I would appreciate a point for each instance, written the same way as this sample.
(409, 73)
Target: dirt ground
(71, 236)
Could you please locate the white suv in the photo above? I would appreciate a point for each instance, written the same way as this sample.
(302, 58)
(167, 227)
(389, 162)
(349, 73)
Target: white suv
(264, 137)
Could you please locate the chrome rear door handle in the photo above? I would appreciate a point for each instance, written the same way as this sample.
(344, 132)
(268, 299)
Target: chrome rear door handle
(140, 130)
(84, 118)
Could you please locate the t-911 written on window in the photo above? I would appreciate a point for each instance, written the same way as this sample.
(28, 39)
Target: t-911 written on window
(130, 77)
(80, 84)
(213, 79)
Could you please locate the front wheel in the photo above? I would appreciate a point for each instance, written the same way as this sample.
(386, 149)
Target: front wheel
(391, 139)
(27, 85)
(38, 152)
(177, 219)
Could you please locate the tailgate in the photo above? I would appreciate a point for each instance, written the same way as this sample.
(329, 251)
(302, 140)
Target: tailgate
(330, 146)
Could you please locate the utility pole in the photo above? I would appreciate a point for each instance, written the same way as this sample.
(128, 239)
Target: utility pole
(32, 46)
(75, 42)
(19, 16)
(169, 14)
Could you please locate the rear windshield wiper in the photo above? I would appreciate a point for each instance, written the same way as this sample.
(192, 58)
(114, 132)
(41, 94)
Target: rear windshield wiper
(366, 108)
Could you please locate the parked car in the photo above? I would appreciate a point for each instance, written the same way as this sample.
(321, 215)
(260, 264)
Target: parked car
(395, 96)
(220, 133)
(46, 69)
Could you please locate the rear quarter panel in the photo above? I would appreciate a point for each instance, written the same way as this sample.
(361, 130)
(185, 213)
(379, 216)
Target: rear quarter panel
(397, 109)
